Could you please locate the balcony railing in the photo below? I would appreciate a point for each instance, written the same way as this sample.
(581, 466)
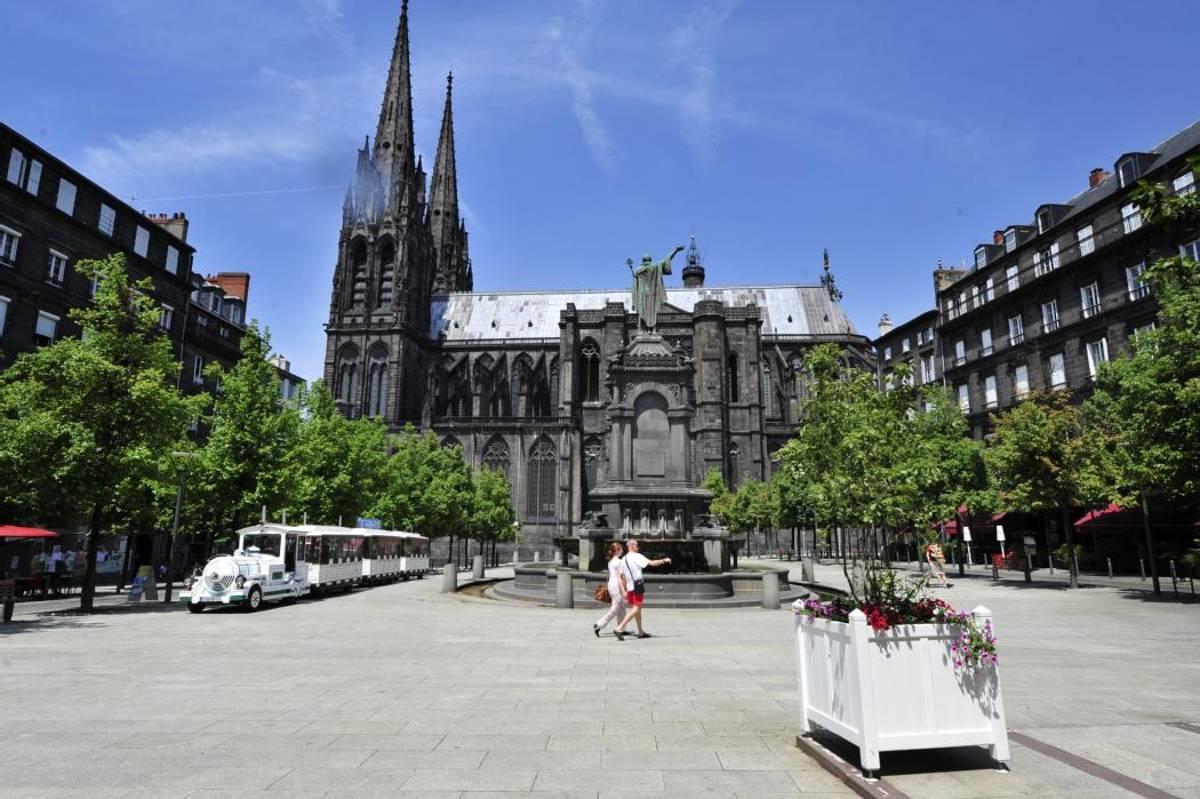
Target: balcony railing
(985, 351)
(1050, 325)
(1139, 292)
(1016, 339)
(1091, 310)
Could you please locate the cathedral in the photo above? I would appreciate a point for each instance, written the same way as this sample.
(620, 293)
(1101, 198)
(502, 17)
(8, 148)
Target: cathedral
(585, 409)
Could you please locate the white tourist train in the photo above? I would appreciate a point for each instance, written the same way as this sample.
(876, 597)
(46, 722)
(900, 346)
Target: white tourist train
(280, 562)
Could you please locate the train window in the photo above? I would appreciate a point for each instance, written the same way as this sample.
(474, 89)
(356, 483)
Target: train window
(290, 553)
(267, 543)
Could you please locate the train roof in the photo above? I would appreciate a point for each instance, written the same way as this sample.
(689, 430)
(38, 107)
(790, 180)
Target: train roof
(325, 529)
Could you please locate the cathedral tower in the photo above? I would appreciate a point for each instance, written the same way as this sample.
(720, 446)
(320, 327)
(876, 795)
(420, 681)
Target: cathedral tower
(447, 227)
(384, 278)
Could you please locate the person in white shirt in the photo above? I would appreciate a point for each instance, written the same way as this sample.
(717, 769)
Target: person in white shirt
(633, 563)
(616, 588)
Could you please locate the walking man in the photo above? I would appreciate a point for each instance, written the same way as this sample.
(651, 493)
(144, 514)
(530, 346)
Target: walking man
(634, 563)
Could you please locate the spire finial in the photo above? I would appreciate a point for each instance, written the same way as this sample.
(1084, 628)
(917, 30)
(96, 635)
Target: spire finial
(449, 82)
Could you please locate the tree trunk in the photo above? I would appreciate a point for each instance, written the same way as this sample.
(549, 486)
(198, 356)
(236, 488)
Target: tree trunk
(1150, 544)
(1069, 533)
(87, 591)
(450, 550)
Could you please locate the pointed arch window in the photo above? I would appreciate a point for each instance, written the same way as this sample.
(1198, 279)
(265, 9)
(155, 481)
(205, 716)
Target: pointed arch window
(496, 456)
(358, 273)
(377, 373)
(347, 379)
(732, 368)
(589, 371)
(387, 274)
(540, 482)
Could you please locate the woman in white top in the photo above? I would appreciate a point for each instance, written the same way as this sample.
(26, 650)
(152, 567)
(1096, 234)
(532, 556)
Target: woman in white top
(616, 587)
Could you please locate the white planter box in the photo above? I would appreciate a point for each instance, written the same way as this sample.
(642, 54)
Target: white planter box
(897, 689)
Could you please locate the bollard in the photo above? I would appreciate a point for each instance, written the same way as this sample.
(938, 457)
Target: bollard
(770, 590)
(477, 568)
(564, 590)
(516, 556)
(449, 579)
(995, 574)
(1109, 567)
(808, 569)
(1174, 580)
(536, 556)
(1050, 562)
(1142, 568)
(9, 606)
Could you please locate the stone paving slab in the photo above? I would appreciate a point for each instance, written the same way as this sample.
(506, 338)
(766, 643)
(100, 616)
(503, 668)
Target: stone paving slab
(400, 690)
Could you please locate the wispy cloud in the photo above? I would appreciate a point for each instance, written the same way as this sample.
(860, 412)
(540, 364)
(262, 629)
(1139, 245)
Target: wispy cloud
(691, 45)
(569, 40)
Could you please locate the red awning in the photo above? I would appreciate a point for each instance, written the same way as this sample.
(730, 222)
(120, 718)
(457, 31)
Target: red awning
(12, 531)
(1112, 509)
(950, 527)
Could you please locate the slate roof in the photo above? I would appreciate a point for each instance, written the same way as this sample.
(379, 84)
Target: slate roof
(483, 316)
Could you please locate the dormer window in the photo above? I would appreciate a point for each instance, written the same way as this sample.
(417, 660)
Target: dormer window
(1010, 239)
(1045, 220)
(980, 257)
(1128, 172)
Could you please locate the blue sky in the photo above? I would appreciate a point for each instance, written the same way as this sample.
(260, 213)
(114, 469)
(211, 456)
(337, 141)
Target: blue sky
(895, 134)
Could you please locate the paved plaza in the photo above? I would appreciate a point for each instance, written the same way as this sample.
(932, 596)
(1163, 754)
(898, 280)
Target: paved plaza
(400, 689)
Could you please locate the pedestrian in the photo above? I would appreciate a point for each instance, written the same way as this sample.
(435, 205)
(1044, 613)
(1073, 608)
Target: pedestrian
(632, 565)
(937, 563)
(616, 588)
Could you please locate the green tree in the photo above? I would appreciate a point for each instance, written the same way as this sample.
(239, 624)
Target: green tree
(1143, 420)
(715, 484)
(1036, 460)
(337, 468)
(492, 513)
(243, 465)
(85, 424)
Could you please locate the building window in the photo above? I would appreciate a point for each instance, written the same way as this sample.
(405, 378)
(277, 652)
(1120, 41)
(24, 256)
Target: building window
(9, 239)
(1097, 353)
(198, 370)
(1086, 244)
(732, 368)
(975, 302)
(927, 369)
(1135, 281)
(496, 456)
(165, 315)
(1089, 299)
(172, 259)
(1058, 371)
(108, 220)
(4, 301)
(56, 268)
(1013, 277)
(1046, 260)
(589, 356)
(985, 341)
(887, 353)
(1185, 183)
(905, 345)
(24, 172)
(1050, 316)
(540, 482)
(377, 386)
(1044, 219)
(66, 197)
(1191, 250)
(1021, 381)
(980, 257)
(1131, 217)
(1010, 240)
(989, 290)
(960, 352)
(964, 398)
(1127, 172)
(990, 399)
(1016, 330)
(141, 241)
(951, 310)
(47, 328)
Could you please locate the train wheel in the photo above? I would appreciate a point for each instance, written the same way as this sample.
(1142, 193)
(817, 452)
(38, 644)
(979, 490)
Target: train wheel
(195, 607)
(254, 601)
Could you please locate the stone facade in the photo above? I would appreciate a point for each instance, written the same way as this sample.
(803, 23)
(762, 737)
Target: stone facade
(557, 389)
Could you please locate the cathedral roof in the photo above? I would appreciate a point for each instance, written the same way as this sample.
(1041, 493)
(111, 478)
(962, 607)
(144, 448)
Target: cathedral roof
(482, 316)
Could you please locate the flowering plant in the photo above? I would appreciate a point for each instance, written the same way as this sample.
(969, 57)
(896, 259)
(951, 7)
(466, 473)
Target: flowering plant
(975, 645)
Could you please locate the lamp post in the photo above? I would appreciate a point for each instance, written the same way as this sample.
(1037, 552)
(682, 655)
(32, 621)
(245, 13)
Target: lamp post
(181, 471)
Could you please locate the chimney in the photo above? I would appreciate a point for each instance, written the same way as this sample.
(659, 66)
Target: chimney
(1096, 177)
(176, 224)
(885, 325)
(281, 363)
(998, 238)
(234, 284)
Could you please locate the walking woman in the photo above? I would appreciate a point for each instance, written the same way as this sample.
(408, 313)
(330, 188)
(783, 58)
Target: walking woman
(616, 587)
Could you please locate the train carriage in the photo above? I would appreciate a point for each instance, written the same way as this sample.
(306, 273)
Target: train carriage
(394, 555)
(334, 555)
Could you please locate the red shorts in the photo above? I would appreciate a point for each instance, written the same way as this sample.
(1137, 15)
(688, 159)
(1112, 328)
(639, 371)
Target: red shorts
(635, 600)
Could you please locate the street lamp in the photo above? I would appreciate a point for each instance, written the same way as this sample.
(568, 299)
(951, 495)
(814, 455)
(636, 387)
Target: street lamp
(175, 525)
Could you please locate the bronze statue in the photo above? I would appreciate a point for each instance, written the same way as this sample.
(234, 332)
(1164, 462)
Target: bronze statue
(649, 291)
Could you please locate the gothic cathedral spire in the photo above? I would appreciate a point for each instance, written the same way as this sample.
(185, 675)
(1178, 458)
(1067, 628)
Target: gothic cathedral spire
(394, 147)
(449, 234)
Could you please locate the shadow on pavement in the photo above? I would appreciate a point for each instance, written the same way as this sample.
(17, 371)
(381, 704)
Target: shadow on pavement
(40, 625)
(915, 761)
